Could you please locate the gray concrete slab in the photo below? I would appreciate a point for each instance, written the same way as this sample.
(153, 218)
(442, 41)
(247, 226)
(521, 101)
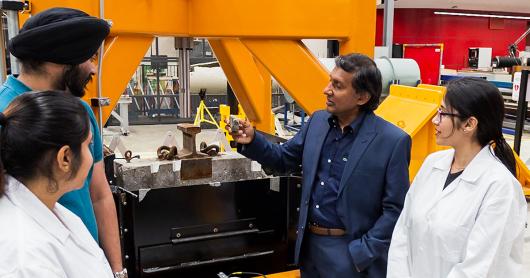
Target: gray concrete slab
(152, 173)
(148, 172)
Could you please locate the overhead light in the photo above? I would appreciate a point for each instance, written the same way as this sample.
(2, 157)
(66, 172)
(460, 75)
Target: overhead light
(485, 15)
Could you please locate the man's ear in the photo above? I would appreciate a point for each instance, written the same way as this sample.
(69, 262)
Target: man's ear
(362, 98)
(54, 69)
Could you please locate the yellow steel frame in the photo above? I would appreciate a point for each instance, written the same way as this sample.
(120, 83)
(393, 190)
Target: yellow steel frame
(287, 274)
(253, 40)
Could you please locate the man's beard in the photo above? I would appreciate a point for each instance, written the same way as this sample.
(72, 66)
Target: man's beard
(73, 81)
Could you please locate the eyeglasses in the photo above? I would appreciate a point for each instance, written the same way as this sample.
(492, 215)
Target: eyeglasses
(440, 113)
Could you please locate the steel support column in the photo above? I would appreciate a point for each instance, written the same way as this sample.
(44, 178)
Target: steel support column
(522, 106)
(12, 30)
(184, 48)
(388, 26)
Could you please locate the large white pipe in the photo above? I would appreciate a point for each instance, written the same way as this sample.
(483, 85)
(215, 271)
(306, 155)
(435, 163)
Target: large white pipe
(211, 79)
(402, 71)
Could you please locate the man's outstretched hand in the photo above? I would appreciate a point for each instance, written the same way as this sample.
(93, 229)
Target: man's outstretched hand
(241, 130)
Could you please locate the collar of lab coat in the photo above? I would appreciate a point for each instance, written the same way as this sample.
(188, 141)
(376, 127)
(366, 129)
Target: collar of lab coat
(26, 201)
(474, 169)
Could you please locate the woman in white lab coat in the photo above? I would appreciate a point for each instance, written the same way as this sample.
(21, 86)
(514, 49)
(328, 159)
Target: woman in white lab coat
(465, 213)
(44, 150)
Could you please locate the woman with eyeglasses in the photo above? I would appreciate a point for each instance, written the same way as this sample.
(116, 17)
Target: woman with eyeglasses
(465, 213)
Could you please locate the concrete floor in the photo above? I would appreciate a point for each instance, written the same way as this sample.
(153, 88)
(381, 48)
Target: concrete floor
(144, 140)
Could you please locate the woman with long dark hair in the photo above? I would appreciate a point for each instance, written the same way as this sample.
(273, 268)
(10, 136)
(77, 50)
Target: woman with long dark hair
(44, 151)
(465, 212)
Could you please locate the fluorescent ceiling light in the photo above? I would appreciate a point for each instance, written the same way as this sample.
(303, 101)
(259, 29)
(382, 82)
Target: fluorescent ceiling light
(484, 15)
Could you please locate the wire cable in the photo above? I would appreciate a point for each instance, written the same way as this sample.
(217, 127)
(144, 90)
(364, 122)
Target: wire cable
(246, 273)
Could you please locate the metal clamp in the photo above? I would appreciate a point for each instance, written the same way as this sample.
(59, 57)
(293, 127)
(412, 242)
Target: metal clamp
(167, 153)
(211, 150)
(27, 7)
(128, 156)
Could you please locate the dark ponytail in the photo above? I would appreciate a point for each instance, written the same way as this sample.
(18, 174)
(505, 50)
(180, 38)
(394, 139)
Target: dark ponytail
(476, 97)
(33, 128)
(505, 154)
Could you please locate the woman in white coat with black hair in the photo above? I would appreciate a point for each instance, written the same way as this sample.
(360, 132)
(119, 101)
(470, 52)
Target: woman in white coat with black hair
(465, 213)
(45, 142)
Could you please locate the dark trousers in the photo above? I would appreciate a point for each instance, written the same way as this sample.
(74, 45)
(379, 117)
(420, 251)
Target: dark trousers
(327, 256)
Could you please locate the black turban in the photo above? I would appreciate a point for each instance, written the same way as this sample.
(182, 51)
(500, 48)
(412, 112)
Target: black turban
(59, 35)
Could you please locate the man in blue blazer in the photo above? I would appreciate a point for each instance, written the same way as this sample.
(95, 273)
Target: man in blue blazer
(355, 175)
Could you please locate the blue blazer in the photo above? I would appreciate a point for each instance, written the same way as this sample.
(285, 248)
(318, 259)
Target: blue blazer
(372, 188)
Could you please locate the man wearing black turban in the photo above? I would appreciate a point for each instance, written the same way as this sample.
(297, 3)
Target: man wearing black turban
(61, 39)
(56, 49)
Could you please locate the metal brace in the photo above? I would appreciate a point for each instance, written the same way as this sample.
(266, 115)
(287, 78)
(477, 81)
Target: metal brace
(127, 191)
(27, 7)
(100, 102)
(11, 5)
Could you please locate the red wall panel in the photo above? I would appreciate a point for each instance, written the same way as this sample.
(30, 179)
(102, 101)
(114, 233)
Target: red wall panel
(457, 33)
(428, 59)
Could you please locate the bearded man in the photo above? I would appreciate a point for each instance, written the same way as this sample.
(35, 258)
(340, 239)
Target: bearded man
(56, 50)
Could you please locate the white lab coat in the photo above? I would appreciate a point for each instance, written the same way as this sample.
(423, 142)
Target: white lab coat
(473, 228)
(35, 243)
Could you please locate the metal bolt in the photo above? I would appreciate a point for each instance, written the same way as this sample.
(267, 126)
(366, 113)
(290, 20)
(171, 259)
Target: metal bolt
(251, 225)
(298, 185)
(178, 235)
(215, 230)
(297, 209)
(125, 230)
(126, 257)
